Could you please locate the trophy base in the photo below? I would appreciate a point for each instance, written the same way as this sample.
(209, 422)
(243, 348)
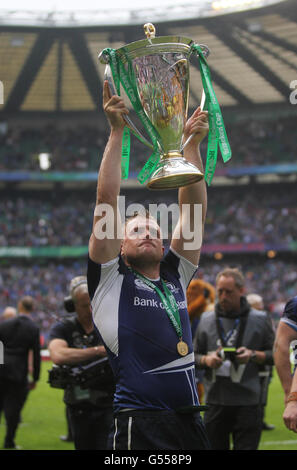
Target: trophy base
(174, 172)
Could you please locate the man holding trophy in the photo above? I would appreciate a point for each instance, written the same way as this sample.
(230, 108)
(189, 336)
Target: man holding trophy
(139, 295)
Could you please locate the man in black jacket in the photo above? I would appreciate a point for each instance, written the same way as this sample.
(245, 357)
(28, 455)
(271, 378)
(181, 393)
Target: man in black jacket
(18, 335)
(231, 344)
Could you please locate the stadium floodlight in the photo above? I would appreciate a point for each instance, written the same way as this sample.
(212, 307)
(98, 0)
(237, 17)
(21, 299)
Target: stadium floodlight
(44, 161)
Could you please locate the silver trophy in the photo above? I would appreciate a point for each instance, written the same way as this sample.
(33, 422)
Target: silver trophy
(161, 71)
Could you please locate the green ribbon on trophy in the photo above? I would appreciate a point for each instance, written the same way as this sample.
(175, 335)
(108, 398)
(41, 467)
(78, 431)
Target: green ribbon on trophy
(128, 81)
(125, 153)
(217, 133)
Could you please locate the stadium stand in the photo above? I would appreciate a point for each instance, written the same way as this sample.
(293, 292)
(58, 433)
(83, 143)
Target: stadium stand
(79, 148)
(52, 106)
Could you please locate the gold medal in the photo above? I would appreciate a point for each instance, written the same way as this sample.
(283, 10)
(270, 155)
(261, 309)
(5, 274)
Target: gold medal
(182, 348)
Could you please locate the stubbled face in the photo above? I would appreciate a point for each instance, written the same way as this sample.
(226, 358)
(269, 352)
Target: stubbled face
(142, 244)
(229, 294)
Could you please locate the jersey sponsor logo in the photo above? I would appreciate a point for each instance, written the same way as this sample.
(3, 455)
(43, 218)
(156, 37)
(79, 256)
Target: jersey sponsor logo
(142, 302)
(172, 287)
(139, 302)
(141, 285)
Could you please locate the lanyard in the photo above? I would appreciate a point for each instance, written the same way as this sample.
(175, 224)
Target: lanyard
(168, 301)
(225, 338)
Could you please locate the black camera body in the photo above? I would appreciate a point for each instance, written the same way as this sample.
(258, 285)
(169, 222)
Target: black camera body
(97, 374)
(58, 376)
(228, 354)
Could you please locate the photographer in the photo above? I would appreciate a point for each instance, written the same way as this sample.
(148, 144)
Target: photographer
(74, 342)
(230, 344)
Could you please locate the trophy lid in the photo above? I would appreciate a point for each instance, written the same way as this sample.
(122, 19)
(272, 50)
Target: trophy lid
(154, 45)
(151, 45)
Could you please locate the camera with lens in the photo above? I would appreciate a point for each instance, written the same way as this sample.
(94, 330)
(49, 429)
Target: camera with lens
(227, 354)
(97, 375)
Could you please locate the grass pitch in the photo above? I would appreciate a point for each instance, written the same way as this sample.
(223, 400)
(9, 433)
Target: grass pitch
(43, 419)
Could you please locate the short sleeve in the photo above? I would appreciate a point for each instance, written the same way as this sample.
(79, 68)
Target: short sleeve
(58, 331)
(183, 268)
(289, 315)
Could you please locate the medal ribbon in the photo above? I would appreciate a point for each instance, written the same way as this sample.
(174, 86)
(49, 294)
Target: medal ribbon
(168, 301)
(128, 81)
(217, 133)
(225, 338)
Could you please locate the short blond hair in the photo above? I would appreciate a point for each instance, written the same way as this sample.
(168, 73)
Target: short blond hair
(255, 300)
(9, 312)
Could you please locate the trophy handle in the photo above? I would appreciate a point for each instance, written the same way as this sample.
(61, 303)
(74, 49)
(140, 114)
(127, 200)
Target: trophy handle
(130, 124)
(206, 53)
(191, 136)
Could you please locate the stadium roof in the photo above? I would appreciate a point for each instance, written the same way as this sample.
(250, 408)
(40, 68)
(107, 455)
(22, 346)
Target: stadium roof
(50, 69)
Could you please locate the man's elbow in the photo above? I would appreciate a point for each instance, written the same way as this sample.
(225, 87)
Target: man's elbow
(56, 357)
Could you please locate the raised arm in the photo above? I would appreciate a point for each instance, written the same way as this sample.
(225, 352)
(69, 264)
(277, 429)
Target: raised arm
(105, 240)
(188, 234)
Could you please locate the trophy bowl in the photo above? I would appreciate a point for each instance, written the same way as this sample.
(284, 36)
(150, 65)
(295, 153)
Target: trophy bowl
(159, 67)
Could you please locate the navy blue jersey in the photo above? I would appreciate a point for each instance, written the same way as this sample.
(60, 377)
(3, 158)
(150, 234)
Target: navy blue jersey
(139, 337)
(290, 313)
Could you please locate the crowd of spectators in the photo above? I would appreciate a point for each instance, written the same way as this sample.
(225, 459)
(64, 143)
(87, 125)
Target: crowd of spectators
(70, 149)
(267, 214)
(256, 142)
(259, 214)
(48, 283)
(263, 142)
